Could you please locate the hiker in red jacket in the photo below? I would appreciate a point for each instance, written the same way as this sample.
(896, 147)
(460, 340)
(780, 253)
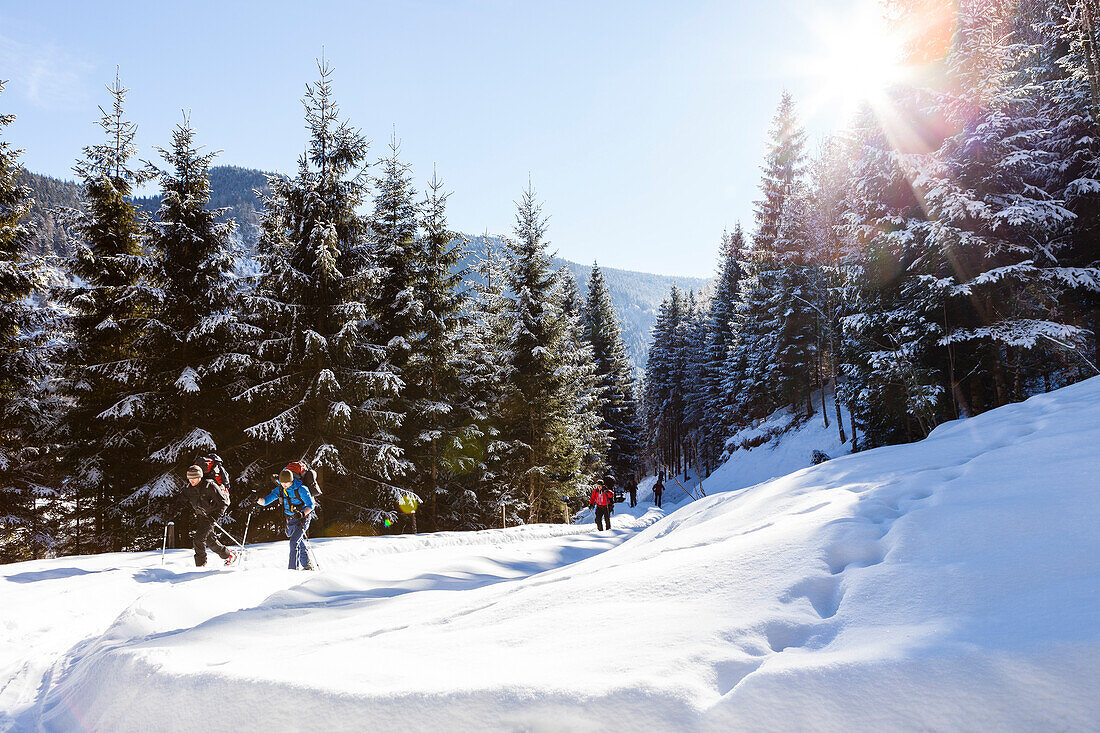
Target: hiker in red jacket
(602, 500)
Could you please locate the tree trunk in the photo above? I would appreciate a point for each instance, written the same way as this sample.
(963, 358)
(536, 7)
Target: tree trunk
(1000, 384)
(531, 476)
(433, 518)
(855, 434)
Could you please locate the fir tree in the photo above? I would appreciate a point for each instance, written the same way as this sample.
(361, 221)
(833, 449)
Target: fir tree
(694, 344)
(486, 337)
(539, 407)
(719, 339)
(397, 305)
(588, 439)
(1065, 71)
(440, 420)
(112, 302)
(993, 233)
(322, 382)
(614, 377)
(27, 493)
(190, 364)
(771, 363)
(892, 387)
(665, 377)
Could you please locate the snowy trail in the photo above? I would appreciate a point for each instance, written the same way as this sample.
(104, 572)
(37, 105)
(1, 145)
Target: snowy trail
(946, 585)
(74, 609)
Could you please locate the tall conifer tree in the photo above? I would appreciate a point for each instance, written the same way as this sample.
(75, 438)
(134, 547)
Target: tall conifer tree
(27, 491)
(112, 301)
(322, 381)
(615, 378)
(539, 405)
(189, 366)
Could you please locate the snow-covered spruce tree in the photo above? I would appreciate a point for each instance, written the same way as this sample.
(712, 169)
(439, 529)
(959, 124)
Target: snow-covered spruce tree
(892, 386)
(835, 256)
(322, 383)
(770, 365)
(440, 421)
(589, 440)
(486, 338)
(695, 417)
(798, 285)
(1064, 54)
(539, 407)
(719, 338)
(192, 357)
(27, 510)
(665, 375)
(112, 302)
(993, 233)
(615, 378)
(396, 300)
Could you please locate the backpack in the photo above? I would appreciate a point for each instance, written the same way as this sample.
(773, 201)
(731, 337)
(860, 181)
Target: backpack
(306, 475)
(213, 469)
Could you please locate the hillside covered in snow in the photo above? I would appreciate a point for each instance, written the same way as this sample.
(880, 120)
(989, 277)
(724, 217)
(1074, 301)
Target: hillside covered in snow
(949, 584)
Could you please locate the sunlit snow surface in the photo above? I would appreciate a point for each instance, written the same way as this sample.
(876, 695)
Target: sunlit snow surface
(947, 585)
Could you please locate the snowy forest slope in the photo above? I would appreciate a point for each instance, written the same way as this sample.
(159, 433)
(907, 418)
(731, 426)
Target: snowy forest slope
(962, 569)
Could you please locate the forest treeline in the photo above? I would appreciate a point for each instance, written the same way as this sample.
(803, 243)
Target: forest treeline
(360, 347)
(936, 259)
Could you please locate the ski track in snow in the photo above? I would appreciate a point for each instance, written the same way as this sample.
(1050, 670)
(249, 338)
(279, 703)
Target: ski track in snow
(946, 585)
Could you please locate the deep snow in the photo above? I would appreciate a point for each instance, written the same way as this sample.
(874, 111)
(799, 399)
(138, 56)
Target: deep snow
(950, 584)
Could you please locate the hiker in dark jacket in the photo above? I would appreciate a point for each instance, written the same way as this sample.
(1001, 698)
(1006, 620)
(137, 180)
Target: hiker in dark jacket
(632, 488)
(298, 508)
(658, 489)
(602, 500)
(209, 500)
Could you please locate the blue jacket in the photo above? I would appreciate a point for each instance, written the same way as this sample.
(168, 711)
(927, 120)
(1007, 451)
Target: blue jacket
(297, 497)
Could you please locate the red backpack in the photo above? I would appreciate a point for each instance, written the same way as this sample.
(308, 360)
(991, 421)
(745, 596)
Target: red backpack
(212, 469)
(305, 475)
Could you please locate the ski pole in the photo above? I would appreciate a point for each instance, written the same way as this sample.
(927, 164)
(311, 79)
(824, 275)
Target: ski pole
(244, 537)
(311, 553)
(215, 525)
(229, 536)
(164, 544)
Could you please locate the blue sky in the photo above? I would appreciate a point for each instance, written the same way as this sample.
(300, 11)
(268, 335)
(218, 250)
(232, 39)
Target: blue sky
(641, 124)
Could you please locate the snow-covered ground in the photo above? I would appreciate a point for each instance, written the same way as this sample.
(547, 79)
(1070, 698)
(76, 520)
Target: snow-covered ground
(952, 584)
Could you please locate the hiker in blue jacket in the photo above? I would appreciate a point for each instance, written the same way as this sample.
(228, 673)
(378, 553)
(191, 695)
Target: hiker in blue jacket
(298, 508)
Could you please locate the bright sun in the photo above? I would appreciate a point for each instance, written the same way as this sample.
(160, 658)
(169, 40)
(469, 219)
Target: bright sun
(855, 60)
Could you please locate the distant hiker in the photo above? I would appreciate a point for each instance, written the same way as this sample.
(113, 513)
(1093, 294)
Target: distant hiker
(298, 509)
(658, 489)
(210, 500)
(602, 500)
(632, 488)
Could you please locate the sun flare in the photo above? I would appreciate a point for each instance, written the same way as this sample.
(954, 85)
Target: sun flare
(854, 61)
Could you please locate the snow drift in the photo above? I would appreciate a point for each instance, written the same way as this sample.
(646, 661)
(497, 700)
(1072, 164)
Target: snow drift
(950, 584)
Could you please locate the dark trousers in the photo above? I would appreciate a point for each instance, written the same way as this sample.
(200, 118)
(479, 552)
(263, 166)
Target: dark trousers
(633, 497)
(205, 537)
(657, 497)
(296, 528)
(603, 514)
